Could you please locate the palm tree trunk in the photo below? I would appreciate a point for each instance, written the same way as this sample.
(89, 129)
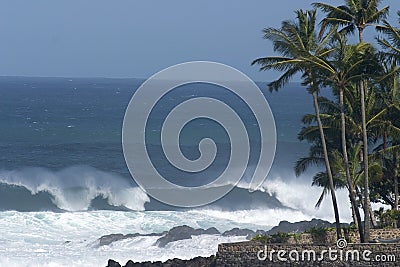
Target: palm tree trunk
(396, 181)
(370, 211)
(360, 35)
(367, 202)
(352, 192)
(328, 166)
(353, 214)
(369, 207)
(360, 196)
(372, 215)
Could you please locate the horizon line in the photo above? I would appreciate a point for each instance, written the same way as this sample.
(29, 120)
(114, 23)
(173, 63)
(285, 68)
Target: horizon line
(95, 77)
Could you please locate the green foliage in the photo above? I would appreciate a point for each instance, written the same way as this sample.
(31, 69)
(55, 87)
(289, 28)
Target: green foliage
(351, 228)
(262, 238)
(296, 237)
(280, 237)
(319, 231)
(348, 230)
(388, 218)
(321, 52)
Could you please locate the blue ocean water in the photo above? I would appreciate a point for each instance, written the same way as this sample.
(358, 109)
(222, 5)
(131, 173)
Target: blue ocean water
(54, 130)
(64, 181)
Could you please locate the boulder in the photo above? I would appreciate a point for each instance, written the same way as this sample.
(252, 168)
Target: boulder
(183, 232)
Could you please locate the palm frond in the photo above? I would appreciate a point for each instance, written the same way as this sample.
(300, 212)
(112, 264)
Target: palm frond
(306, 162)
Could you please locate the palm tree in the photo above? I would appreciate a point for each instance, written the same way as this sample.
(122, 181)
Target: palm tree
(357, 14)
(330, 115)
(384, 129)
(391, 46)
(388, 124)
(315, 157)
(347, 65)
(293, 41)
(356, 174)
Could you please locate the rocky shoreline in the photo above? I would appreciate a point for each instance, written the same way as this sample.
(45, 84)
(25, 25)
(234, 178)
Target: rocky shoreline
(195, 262)
(186, 232)
(179, 233)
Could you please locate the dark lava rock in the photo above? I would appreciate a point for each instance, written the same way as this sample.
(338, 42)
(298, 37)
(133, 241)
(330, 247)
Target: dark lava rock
(299, 227)
(195, 262)
(240, 232)
(106, 240)
(209, 231)
(183, 232)
(259, 232)
(175, 234)
(112, 263)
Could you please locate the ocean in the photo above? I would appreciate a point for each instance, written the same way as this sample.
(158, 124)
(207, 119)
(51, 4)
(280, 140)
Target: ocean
(64, 182)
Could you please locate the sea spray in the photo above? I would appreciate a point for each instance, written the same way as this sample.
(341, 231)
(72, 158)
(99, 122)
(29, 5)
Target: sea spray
(74, 188)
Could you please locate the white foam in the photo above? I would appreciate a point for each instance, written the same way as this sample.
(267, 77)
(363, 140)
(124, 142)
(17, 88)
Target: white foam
(70, 239)
(302, 197)
(256, 218)
(74, 188)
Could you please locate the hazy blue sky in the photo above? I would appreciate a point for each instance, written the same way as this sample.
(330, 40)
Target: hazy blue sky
(131, 38)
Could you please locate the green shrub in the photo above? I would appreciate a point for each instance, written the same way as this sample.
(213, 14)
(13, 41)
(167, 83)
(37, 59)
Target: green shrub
(280, 237)
(296, 237)
(388, 218)
(262, 238)
(318, 231)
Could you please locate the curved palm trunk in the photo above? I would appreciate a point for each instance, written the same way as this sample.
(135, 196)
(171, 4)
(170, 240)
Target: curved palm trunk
(352, 192)
(328, 166)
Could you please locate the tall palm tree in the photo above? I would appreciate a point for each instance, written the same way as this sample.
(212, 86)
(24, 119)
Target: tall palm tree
(315, 157)
(293, 41)
(384, 129)
(357, 14)
(391, 46)
(347, 65)
(330, 115)
(353, 15)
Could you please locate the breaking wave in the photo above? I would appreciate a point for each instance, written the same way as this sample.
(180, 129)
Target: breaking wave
(75, 188)
(81, 188)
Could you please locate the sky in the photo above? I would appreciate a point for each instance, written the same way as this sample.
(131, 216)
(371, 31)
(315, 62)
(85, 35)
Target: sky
(132, 38)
